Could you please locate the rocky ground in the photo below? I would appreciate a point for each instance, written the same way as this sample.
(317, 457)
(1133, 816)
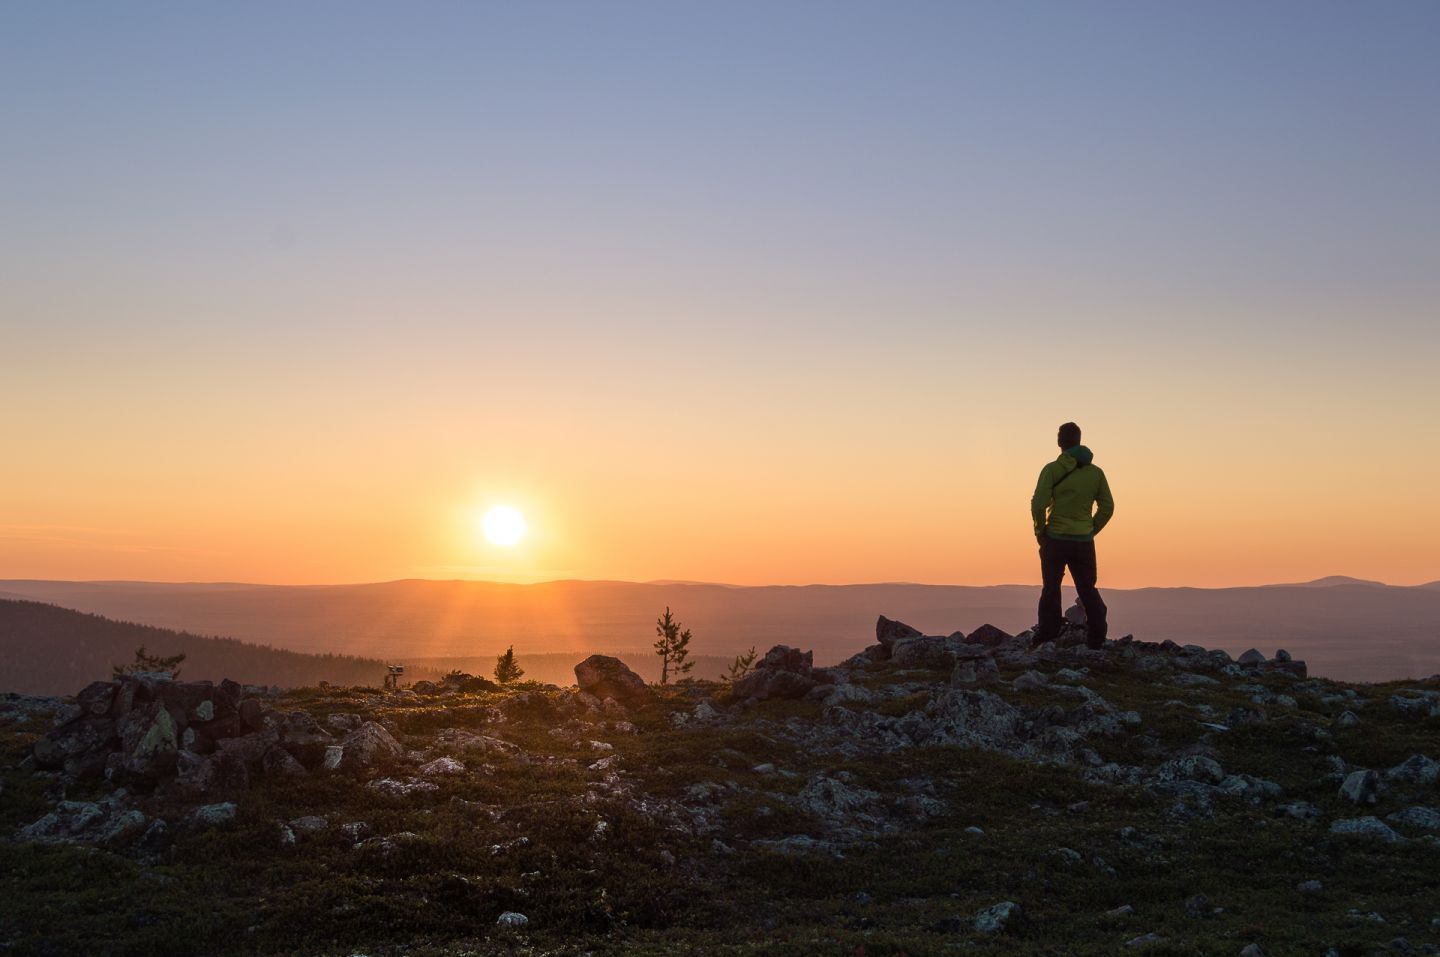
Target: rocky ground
(932, 795)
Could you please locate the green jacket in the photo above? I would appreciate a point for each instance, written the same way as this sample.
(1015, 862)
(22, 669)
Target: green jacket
(1069, 505)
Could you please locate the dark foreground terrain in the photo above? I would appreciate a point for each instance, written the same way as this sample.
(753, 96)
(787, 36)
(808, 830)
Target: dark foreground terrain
(933, 795)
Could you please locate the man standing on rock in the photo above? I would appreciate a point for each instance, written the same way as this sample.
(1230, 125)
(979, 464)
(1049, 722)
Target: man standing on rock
(1068, 489)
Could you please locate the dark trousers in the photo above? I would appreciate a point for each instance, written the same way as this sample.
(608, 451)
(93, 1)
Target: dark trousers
(1055, 556)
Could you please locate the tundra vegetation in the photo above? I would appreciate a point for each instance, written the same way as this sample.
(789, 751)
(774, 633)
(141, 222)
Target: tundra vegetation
(932, 795)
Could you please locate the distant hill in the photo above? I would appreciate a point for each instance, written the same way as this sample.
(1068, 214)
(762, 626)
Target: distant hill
(45, 649)
(1344, 628)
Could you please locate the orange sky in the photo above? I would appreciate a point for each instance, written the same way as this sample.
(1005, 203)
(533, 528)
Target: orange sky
(376, 461)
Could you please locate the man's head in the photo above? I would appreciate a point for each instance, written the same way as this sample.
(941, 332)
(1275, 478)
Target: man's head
(1069, 435)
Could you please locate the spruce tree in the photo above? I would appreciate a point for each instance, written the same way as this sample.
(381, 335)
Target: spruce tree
(740, 667)
(145, 662)
(506, 670)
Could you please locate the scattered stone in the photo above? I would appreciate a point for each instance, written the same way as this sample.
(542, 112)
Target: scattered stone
(1309, 887)
(1369, 827)
(1199, 906)
(1299, 810)
(212, 815)
(1144, 939)
(1124, 910)
(512, 919)
(310, 824)
(997, 917)
(1347, 719)
(355, 830)
(1420, 818)
(89, 822)
(1253, 950)
(441, 767)
(402, 787)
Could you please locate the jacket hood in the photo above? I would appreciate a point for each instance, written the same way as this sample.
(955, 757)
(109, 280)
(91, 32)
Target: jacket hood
(1080, 454)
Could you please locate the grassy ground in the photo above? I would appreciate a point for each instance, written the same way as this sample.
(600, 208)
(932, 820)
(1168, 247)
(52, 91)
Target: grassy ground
(527, 835)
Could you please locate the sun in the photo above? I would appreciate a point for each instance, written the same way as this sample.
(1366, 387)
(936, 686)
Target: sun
(504, 525)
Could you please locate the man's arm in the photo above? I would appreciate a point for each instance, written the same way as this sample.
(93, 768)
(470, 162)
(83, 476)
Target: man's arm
(1106, 503)
(1044, 492)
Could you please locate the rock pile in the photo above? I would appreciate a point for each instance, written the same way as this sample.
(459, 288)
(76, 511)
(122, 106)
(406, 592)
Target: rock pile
(150, 728)
(784, 672)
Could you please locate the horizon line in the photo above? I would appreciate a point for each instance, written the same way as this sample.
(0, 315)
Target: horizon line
(1323, 581)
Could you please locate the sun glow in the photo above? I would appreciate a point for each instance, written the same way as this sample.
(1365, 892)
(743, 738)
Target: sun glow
(503, 525)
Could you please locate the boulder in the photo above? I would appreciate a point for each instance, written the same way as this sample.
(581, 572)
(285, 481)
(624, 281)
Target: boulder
(277, 762)
(194, 773)
(1416, 769)
(1191, 768)
(1029, 681)
(997, 917)
(212, 815)
(1361, 787)
(922, 652)
(1410, 707)
(97, 697)
(1347, 719)
(784, 672)
(1251, 659)
(869, 656)
(973, 674)
(255, 715)
(607, 677)
(1369, 827)
(989, 636)
(1421, 818)
(79, 747)
(887, 632)
(442, 767)
(425, 687)
(367, 745)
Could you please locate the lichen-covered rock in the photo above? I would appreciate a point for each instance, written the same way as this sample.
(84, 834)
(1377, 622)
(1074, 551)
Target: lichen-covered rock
(441, 767)
(997, 917)
(89, 822)
(212, 815)
(368, 745)
(925, 651)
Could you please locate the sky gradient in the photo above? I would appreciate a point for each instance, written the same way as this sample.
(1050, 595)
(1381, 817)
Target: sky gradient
(741, 292)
